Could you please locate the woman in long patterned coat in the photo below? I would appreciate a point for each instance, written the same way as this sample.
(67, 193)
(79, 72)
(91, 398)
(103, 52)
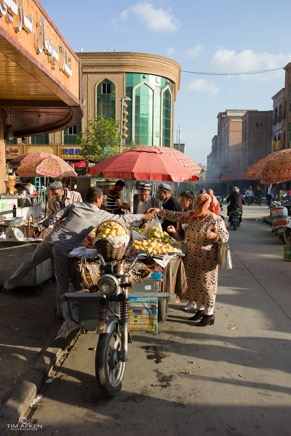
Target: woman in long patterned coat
(203, 230)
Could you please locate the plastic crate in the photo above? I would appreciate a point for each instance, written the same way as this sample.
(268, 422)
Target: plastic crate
(143, 314)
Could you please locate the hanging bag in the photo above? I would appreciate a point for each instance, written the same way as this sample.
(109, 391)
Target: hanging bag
(223, 255)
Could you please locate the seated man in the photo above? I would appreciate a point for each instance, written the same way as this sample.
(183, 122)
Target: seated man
(61, 198)
(143, 201)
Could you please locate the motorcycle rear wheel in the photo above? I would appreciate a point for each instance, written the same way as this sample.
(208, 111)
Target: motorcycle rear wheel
(109, 368)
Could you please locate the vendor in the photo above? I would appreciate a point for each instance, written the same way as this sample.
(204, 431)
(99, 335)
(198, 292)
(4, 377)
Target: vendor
(143, 201)
(61, 198)
(114, 203)
(169, 203)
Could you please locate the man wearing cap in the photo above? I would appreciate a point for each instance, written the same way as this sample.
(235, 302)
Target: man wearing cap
(61, 198)
(169, 203)
(143, 201)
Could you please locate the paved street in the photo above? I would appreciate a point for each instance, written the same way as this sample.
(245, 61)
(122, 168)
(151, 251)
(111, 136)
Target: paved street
(232, 378)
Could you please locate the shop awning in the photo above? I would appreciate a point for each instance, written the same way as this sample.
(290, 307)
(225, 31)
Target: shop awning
(39, 73)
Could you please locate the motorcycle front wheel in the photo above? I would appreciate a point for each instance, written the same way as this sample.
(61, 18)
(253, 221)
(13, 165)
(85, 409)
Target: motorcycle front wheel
(108, 366)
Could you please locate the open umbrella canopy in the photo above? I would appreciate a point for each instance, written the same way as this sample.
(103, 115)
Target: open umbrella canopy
(280, 171)
(182, 158)
(143, 163)
(43, 164)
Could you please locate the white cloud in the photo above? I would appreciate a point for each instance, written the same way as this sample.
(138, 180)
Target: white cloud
(230, 61)
(203, 86)
(170, 51)
(195, 52)
(155, 19)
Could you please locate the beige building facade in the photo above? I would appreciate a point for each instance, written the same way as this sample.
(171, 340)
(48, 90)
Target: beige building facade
(147, 83)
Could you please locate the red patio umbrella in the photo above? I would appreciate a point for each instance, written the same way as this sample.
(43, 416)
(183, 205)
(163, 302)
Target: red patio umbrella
(278, 169)
(256, 170)
(182, 158)
(143, 163)
(43, 164)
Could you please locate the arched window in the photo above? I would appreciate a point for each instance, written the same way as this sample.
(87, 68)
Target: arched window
(280, 112)
(144, 114)
(276, 115)
(106, 99)
(166, 117)
(71, 134)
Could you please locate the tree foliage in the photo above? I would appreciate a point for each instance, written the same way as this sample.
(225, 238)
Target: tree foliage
(100, 139)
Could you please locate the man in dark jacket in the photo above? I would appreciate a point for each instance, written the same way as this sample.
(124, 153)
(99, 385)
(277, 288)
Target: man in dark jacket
(235, 200)
(169, 202)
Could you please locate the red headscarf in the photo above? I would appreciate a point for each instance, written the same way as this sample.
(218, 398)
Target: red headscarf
(202, 204)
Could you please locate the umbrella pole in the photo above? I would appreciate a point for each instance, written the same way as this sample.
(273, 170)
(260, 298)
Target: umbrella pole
(46, 182)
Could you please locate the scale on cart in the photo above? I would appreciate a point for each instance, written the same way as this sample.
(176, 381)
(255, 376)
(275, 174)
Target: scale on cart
(13, 233)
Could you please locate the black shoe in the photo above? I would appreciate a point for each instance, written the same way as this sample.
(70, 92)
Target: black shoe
(206, 320)
(6, 291)
(198, 315)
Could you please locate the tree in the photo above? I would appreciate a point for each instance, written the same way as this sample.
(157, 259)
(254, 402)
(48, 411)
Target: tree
(100, 139)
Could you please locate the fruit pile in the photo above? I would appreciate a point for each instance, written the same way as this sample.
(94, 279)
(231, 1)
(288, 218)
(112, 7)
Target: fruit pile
(156, 232)
(88, 241)
(152, 246)
(110, 229)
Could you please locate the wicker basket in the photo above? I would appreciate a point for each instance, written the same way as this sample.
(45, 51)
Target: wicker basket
(108, 252)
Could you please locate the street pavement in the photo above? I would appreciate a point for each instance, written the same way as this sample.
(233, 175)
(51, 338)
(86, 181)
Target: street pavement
(232, 378)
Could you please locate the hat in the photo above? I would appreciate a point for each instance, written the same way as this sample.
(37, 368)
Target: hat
(165, 186)
(56, 185)
(145, 186)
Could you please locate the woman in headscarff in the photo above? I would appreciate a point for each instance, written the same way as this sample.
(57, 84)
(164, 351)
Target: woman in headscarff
(203, 230)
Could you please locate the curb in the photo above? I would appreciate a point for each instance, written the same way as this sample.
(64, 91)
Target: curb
(25, 392)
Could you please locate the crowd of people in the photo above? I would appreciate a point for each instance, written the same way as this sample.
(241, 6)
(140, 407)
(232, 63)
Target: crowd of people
(193, 219)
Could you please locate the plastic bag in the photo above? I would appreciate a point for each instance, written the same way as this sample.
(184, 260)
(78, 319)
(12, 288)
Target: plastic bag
(153, 229)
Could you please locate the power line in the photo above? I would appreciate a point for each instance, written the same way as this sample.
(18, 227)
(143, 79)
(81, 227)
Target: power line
(231, 74)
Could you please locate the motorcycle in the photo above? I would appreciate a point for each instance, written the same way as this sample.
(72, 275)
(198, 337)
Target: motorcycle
(235, 218)
(112, 298)
(281, 223)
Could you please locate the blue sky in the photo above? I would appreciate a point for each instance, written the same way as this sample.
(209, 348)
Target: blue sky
(209, 36)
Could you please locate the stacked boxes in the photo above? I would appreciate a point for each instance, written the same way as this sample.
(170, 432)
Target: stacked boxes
(143, 314)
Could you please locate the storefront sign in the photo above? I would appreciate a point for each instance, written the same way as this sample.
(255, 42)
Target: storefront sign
(69, 152)
(25, 17)
(12, 152)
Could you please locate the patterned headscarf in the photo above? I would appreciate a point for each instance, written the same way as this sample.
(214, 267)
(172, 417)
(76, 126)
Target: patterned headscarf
(202, 204)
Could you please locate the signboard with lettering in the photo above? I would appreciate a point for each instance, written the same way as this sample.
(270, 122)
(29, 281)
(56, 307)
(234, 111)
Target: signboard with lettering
(28, 27)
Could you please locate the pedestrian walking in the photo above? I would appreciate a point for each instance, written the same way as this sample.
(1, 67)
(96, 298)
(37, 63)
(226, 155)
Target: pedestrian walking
(270, 194)
(204, 229)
